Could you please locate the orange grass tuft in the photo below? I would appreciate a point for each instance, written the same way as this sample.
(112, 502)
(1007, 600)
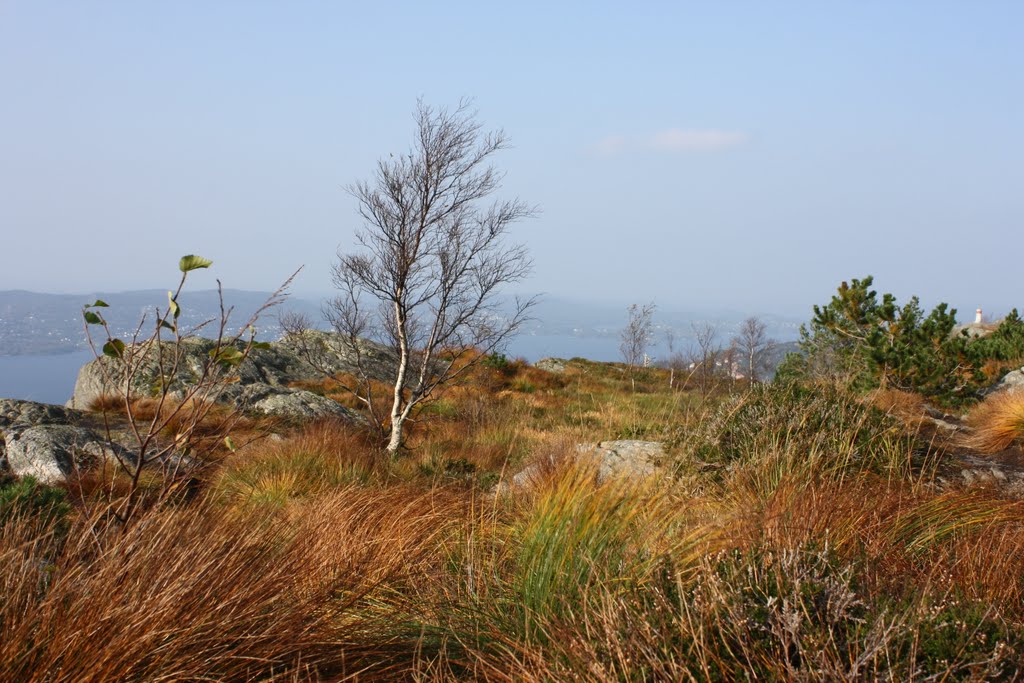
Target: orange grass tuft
(322, 456)
(997, 422)
(207, 594)
(907, 405)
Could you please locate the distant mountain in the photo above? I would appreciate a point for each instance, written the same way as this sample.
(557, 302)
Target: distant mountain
(590, 319)
(777, 353)
(32, 323)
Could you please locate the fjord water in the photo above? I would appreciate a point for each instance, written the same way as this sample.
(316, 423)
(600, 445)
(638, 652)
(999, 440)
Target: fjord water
(47, 379)
(51, 378)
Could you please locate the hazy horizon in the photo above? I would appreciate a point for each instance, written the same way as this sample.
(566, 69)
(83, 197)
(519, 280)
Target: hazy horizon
(743, 157)
(565, 306)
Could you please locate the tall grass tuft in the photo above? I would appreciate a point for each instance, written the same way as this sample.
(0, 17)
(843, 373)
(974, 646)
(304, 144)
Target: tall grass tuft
(997, 422)
(559, 553)
(207, 594)
(777, 428)
(181, 595)
(321, 457)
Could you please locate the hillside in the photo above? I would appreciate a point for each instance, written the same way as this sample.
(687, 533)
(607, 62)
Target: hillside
(32, 323)
(541, 525)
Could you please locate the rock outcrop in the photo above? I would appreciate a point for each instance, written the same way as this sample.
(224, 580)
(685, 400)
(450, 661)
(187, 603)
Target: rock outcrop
(47, 441)
(263, 379)
(51, 442)
(19, 416)
(967, 470)
(292, 404)
(1011, 381)
(51, 453)
(16, 413)
(627, 460)
(273, 366)
(551, 364)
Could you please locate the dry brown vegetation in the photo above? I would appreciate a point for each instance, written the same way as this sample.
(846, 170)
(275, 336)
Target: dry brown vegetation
(796, 536)
(998, 422)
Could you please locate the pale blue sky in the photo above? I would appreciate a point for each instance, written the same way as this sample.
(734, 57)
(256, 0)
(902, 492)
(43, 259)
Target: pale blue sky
(747, 155)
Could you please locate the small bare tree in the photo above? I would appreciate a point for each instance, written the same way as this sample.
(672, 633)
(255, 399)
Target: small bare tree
(705, 357)
(635, 338)
(674, 359)
(751, 344)
(433, 259)
(150, 365)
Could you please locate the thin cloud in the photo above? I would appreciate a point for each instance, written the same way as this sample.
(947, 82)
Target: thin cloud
(692, 139)
(673, 140)
(612, 144)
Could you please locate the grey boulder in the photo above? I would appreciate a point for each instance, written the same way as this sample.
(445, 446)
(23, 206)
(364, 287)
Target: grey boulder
(52, 452)
(556, 365)
(625, 460)
(294, 404)
(1011, 381)
(15, 412)
(628, 459)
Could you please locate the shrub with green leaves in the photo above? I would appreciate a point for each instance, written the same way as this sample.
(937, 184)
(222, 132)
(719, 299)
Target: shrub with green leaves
(1005, 343)
(868, 341)
(496, 361)
(27, 496)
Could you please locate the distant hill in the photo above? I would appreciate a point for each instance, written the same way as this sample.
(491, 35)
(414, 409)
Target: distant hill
(32, 323)
(591, 319)
(777, 353)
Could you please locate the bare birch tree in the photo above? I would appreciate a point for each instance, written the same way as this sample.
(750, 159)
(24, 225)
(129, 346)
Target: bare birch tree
(673, 360)
(431, 262)
(635, 338)
(706, 356)
(751, 343)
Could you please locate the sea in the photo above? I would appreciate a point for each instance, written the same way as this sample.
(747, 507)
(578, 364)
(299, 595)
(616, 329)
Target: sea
(46, 379)
(51, 378)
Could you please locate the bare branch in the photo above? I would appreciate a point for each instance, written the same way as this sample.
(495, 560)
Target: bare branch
(426, 278)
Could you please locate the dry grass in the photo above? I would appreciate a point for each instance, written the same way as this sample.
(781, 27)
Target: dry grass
(182, 595)
(907, 405)
(997, 422)
(813, 549)
(196, 594)
(204, 424)
(319, 458)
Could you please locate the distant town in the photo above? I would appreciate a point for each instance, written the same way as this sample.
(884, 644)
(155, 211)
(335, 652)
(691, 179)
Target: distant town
(33, 323)
(46, 324)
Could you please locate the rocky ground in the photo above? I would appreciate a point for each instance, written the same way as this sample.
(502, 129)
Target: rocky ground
(51, 442)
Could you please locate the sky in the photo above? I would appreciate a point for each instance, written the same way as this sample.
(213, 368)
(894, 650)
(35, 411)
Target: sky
(716, 155)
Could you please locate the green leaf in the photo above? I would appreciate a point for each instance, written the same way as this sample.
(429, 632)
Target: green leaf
(114, 348)
(165, 324)
(99, 303)
(192, 262)
(229, 443)
(173, 305)
(92, 318)
(227, 356)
